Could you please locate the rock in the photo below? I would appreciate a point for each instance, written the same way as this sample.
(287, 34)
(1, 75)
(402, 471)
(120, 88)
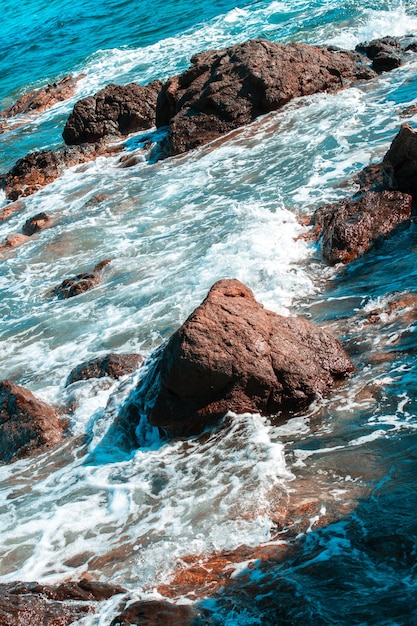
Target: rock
(116, 110)
(10, 209)
(27, 424)
(111, 365)
(233, 355)
(225, 89)
(38, 169)
(41, 99)
(351, 227)
(29, 604)
(385, 53)
(36, 223)
(80, 283)
(399, 165)
(160, 613)
(13, 241)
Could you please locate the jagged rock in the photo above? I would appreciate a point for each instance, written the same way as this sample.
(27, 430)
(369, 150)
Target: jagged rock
(37, 169)
(111, 365)
(116, 110)
(225, 89)
(160, 613)
(35, 224)
(30, 604)
(351, 227)
(80, 283)
(399, 165)
(385, 53)
(232, 354)
(41, 99)
(27, 424)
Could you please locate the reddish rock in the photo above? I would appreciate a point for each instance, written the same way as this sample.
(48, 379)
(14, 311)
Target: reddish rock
(36, 223)
(351, 227)
(116, 110)
(27, 424)
(10, 209)
(80, 283)
(112, 365)
(41, 99)
(160, 613)
(13, 241)
(232, 354)
(30, 604)
(399, 166)
(225, 89)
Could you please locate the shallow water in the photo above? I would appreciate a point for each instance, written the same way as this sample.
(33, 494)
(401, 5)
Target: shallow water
(172, 229)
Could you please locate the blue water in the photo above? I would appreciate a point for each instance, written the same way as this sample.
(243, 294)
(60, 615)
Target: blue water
(335, 487)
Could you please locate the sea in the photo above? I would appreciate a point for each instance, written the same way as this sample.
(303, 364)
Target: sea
(331, 495)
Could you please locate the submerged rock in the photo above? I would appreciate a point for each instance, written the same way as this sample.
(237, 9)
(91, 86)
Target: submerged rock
(13, 240)
(80, 283)
(29, 604)
(349, 228)
(160, 613)
(116, 110)
(41, 99)
(225, 89)
(233, 355)
(111, 365)
(27, 424)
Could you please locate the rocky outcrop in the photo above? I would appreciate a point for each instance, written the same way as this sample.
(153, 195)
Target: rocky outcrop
(233, 355)
(351, 227)
(399, 165)
(27, 424)
(160, 613)
(10, 209)
(41, 99)
(111, 365)
(28, 604)
(225, 89)
(80, 283)
(38, 169)
(14, 240)
(35, 224)
(116, 110)
(385, 53)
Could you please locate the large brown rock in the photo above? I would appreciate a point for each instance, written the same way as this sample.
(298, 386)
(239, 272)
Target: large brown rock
(116, 110)
(225, 89)
(41, 99)
(160, 613)
(232, 354)
(399, 165)
(349, 228)
(80, 283)
(111, 365)
(27, 424)
(32, 604)
(37, 169)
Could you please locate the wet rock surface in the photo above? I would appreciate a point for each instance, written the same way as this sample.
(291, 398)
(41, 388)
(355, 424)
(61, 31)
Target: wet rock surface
(39, 100)
(385, 53)
(399, 165)
(225, 89)
(27, 424)
(233, 355)
(30, 604)
(80, 283)
(351, 227)
(35, 224)
(116, 110)
(112, 365)
(38, 169)
(160, 613)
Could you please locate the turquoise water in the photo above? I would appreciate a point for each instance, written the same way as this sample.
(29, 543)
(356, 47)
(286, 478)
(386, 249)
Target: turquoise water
(346, 468)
